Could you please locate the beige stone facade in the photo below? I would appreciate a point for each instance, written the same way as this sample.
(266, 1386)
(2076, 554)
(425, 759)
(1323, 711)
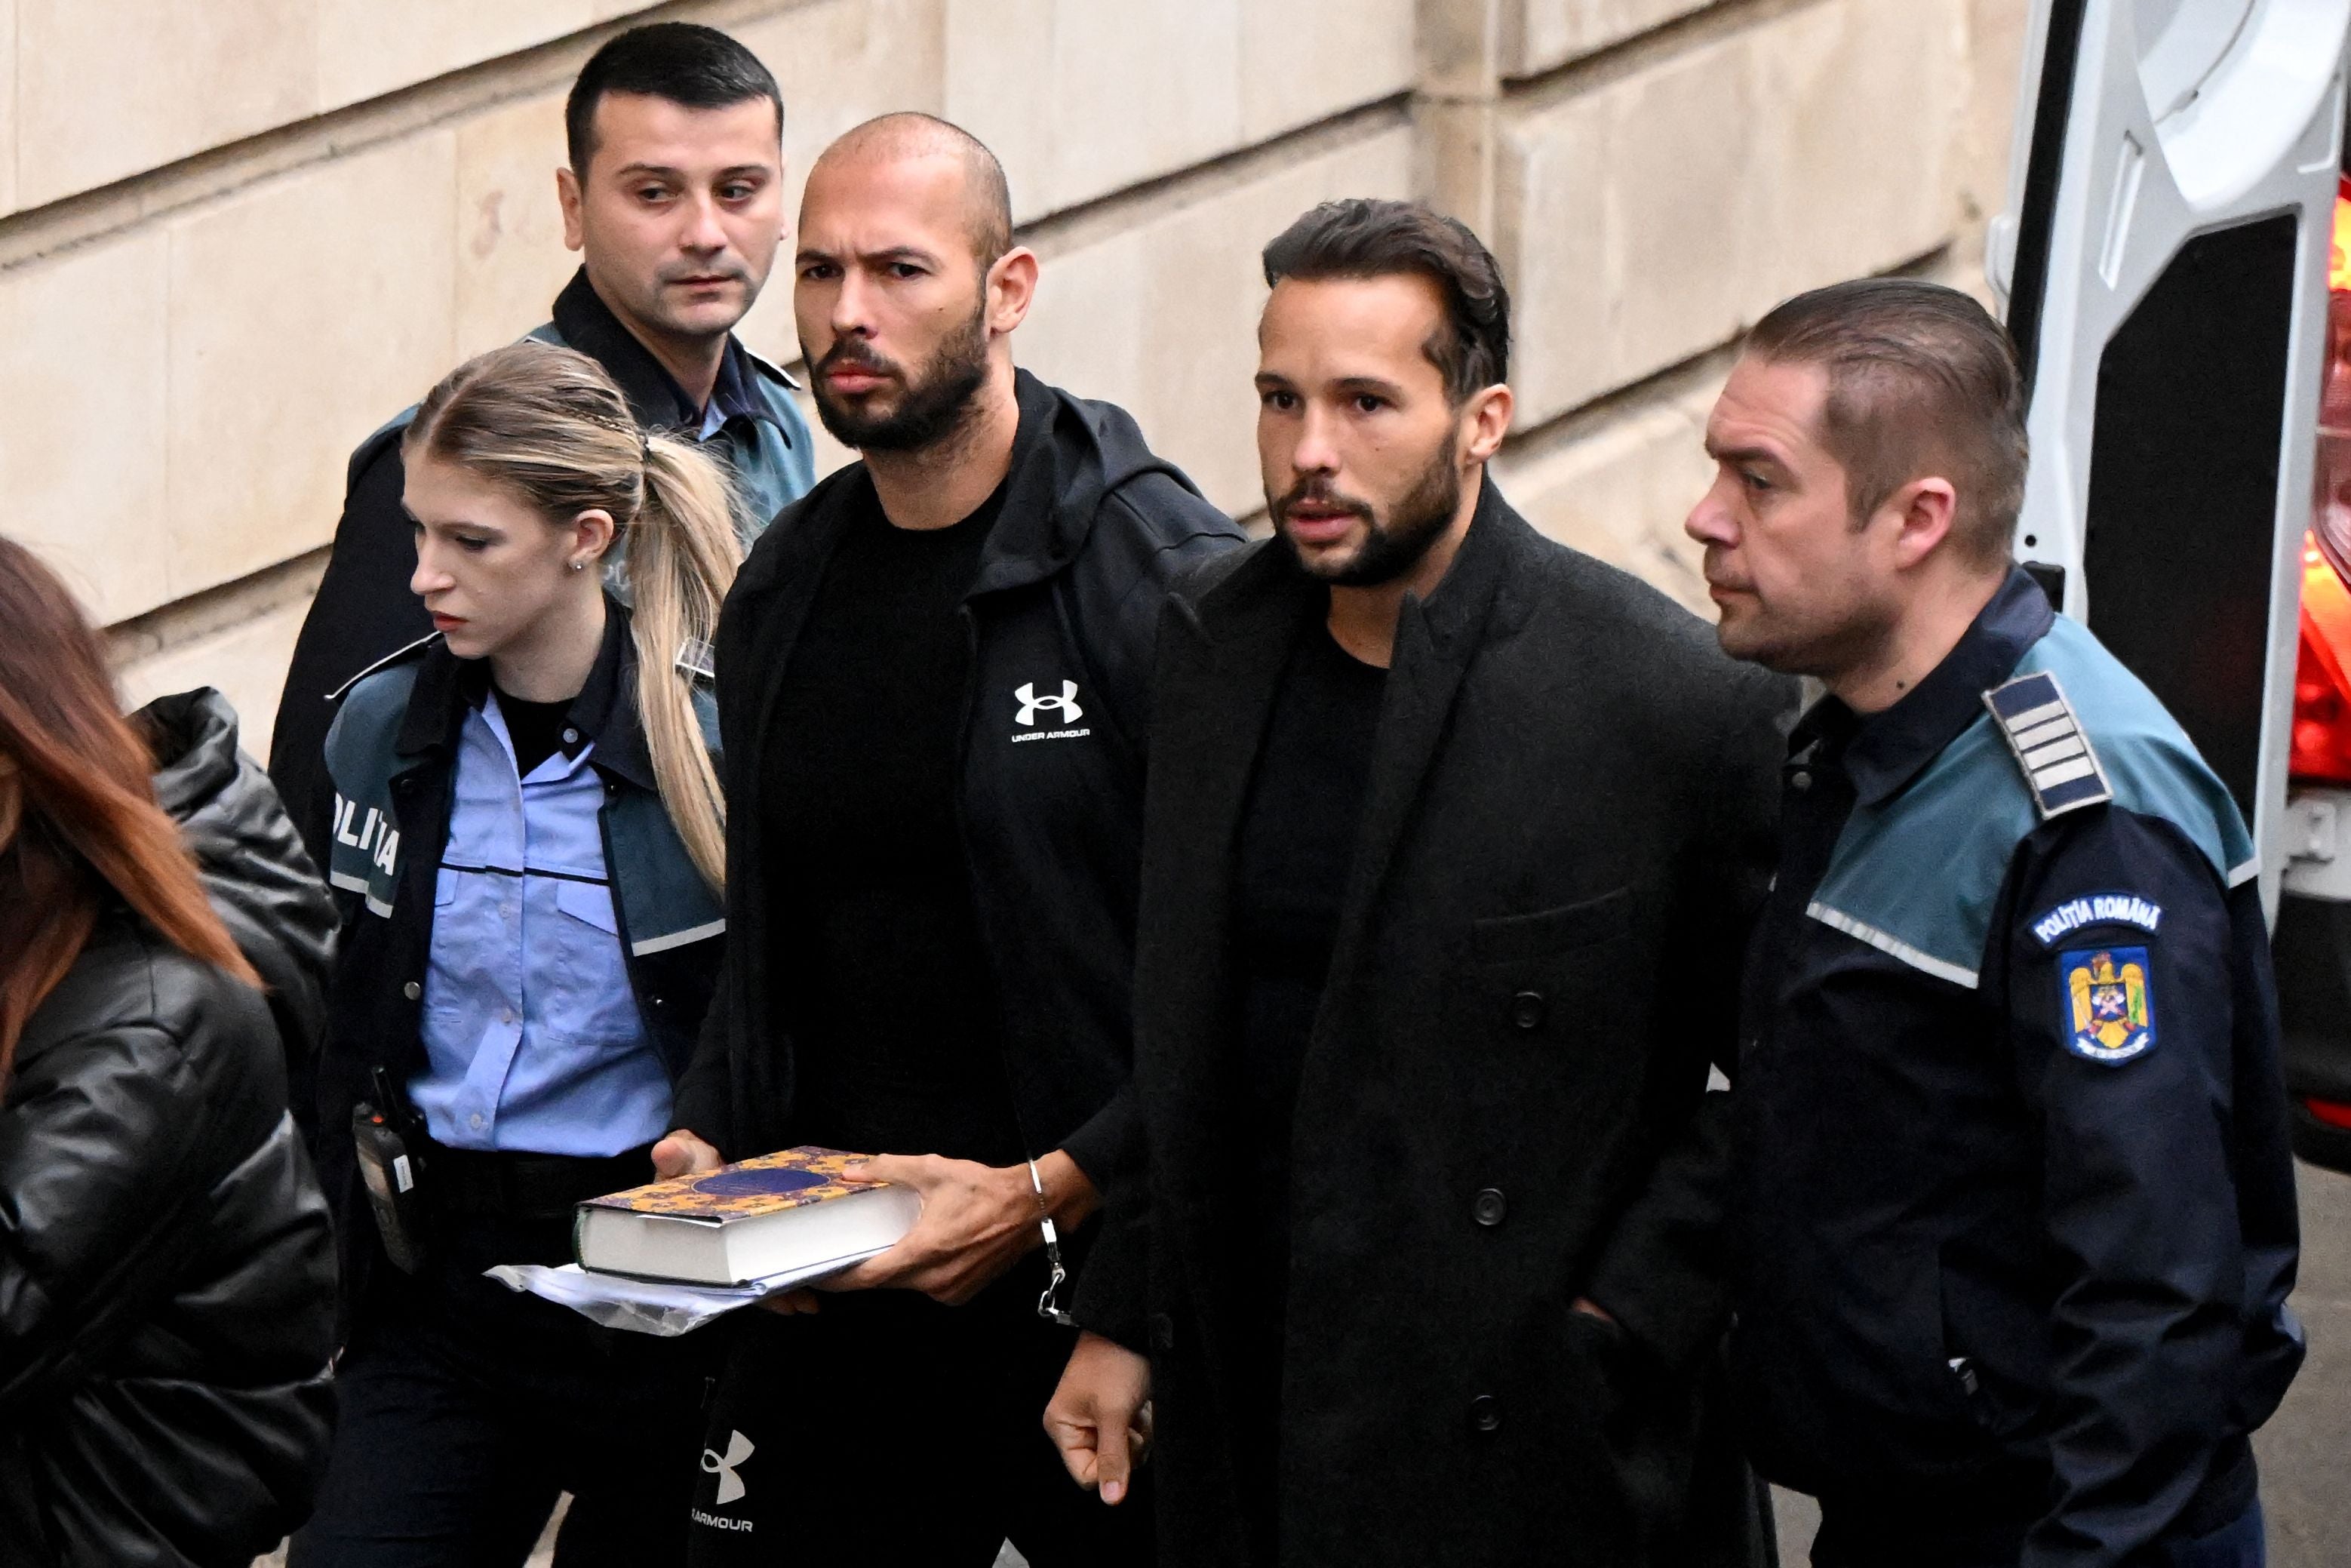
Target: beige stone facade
(239, 235)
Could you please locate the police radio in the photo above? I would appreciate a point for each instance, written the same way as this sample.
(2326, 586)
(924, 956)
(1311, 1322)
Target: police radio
(391, 1164)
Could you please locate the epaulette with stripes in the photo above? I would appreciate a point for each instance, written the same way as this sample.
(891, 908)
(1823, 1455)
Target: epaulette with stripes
(2059, 767)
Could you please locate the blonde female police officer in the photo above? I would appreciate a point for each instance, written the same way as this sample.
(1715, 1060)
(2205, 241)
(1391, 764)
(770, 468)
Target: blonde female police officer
(529, 842)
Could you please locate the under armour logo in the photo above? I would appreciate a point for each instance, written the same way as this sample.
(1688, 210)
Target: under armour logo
(1065, 705)
(731, 1485)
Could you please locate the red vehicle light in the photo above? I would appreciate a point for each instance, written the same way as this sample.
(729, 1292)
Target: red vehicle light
(2331, 1112)
(2321, 678)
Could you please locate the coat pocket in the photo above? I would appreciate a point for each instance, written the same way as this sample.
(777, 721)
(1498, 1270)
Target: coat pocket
(1514, 939)
(1995, 1348)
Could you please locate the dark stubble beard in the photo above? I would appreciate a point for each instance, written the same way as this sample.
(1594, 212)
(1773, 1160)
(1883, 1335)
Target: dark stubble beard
(935, 405)
(1392, 546)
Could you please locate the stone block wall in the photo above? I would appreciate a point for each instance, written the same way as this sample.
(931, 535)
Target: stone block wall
(236, 237)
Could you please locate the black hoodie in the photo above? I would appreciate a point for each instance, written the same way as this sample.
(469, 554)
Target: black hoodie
(260, 878)
(1065, 609)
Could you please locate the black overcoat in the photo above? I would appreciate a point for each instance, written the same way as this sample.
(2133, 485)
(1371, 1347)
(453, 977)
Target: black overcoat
(1504, 1105)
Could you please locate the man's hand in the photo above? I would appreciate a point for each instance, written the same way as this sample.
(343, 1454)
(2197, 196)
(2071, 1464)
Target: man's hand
(683, 1154)
(1100, 1418)
(977, 1222)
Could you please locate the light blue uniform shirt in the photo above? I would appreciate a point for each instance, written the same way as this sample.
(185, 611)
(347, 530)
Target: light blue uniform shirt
(532, 1037)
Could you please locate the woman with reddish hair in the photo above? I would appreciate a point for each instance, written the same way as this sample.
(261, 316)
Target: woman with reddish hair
(166, 1266)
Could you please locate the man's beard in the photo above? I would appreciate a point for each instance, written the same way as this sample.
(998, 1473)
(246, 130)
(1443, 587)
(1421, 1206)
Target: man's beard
(931, 408)
(1392, 547)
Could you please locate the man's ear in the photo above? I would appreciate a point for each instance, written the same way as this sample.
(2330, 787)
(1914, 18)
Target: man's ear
(567, 197)
(1922, 512)
(1486, 421)
(1011, 285)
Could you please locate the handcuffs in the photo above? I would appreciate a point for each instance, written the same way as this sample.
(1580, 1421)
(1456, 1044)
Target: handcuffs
(1048, 1307)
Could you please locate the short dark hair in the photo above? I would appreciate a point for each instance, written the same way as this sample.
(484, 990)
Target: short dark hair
(1365, 237)
(698, 67)
(1921, 378)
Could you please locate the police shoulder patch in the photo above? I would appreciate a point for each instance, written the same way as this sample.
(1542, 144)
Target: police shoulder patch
(2106, 1003)
(2059, 767)
(2097, 909)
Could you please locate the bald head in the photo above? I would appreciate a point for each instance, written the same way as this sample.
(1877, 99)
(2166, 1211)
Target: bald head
(907, 137)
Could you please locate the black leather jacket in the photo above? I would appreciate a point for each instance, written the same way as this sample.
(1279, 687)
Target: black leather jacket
(166, 1269)
(262, 882)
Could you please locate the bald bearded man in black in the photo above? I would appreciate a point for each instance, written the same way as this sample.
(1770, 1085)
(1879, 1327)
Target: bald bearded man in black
(930, 677)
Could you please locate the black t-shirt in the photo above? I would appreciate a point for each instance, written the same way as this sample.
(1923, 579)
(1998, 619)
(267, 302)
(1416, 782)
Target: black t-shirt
(536, 728)
(875, 952)
(1297, 849)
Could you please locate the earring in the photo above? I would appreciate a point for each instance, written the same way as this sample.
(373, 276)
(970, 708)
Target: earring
(578, 566)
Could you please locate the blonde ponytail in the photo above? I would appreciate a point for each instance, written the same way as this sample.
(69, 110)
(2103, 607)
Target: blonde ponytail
(683, 553)
(550, 426)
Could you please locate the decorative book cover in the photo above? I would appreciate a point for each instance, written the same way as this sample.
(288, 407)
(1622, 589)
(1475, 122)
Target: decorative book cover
(767, 1185)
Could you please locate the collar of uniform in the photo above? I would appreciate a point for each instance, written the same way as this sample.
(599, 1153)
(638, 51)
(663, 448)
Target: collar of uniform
(1890, 747)
(587, 324)
(606, 707)
(732, 395)
(603, 712)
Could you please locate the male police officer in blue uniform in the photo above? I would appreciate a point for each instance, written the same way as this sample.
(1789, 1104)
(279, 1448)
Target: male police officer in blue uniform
(2014, 1210)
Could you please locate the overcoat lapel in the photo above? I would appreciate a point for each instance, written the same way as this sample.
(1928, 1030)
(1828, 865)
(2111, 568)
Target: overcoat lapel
(1221, 664)
(1436, 642)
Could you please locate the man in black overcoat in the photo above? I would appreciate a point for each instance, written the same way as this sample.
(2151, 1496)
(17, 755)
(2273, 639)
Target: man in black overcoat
(1451, 840)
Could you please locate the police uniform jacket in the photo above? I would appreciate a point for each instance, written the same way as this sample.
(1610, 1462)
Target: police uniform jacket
(1504, 1101)
(2015, 1210)
(392, 755)
(363, 612)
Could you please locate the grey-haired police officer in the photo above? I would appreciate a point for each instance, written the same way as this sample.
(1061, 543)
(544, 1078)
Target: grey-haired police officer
(2014, 1210)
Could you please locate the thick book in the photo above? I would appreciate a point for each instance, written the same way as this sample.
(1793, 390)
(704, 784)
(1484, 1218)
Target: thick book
(743, 1222)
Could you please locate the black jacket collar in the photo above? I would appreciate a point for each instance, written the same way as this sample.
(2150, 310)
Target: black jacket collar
(1885, 750)
(1045, 516)
(1268, 592)
(1069, 456)
(587, 324)
(605, 709)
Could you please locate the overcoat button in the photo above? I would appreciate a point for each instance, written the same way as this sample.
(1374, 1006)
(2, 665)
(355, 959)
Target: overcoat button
(1488, 1207)
(412, 990)
(1800, 780)
(1527, 1009)
(1486, 1413)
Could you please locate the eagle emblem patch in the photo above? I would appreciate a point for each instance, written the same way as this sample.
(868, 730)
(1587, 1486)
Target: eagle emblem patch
(2109, 1009)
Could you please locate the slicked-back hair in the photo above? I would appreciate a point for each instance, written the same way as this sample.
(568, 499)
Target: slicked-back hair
(1362, 237)
(1922, 382)
(688, 64)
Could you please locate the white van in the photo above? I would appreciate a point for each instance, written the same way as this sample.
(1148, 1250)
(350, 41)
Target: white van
(2175, 265)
